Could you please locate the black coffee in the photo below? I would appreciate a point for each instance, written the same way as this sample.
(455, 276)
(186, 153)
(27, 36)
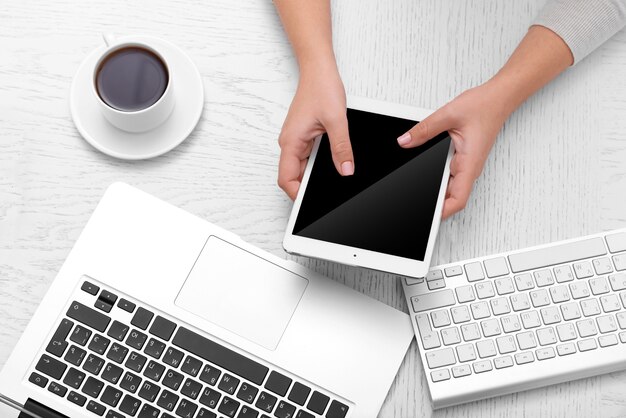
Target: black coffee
(131, 79)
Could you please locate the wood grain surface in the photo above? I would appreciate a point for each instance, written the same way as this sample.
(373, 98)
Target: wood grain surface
(558, 169)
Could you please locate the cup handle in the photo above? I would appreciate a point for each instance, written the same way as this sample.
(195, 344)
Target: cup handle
(108, 38)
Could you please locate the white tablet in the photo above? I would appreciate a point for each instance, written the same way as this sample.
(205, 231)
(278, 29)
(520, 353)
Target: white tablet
(384, 217)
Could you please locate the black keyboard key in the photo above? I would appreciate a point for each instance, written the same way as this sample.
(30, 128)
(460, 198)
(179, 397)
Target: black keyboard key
(50, 366)
(75, 355)
(93, 364)
(142, 318)
(88, 316)
(228, 384)
(220, 355)
(210, 375)
(154, 348)
(191, 365)
(80, 335)
(173, 379)
(38, 379)
(228, 406)
(126, 305)
(191, 388)
(113, 414)
(96, 408)
(186, 408)
(167, 400)
(149, 391)
(103, 306)
(99, 344)
(337, 410)
(112, 373)
(266, 402)
(247, 412)
(118, 330)
(130, 382)
(172, 357)
(166, 415)
(318, 402)
(304, 414)
(136, 339)
(278, 383)
(299, 393)
(76, 398)
(92, 387)
(284, 410)
(57, 389)
(162, 328)
(130, 405)
(90, 288)
(108, 297)
(74, 378)
(117, 353)
(135, 362)
(210, 398)
(111, 396)
(148, 411)
(57, 344)
(205, 413)
(247, 393)
(154, 371)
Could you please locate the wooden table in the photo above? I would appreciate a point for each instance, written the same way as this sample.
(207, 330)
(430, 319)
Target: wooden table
(558, 169)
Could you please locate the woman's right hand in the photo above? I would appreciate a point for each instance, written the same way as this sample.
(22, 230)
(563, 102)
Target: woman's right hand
(318, 106)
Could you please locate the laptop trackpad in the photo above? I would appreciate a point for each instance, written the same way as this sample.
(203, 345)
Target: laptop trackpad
(241, 292)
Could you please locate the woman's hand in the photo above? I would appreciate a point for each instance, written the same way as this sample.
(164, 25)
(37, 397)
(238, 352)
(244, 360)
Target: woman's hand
(319, 106)
(473, 120)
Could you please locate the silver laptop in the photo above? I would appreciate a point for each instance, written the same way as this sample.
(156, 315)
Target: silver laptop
(157, 313)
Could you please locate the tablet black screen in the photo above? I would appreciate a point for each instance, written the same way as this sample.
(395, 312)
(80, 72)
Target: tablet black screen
(388, 204)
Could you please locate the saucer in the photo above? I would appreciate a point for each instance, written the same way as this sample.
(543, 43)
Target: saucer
(102, 135)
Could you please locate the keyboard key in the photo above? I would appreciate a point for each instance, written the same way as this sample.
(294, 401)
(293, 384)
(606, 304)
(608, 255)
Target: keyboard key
(618, 281)
(266, 402)
(432, 300)
(117, 353)
(506, 344)
(434, 275)
(247, 393)
(620, 262)
(136, 362)
(438, 358)
(606, 324)
(154, 348)
(428, 337)
(219, 355)
(579, 290)
(546, 336)
(520, 302)
(318, 402)
(622, 337)
(74, 378)
(210, 375)
(410, 281)
(587, 345)
(482, 366)
(566, 332)
(563, 274)
(602, 265)
(247, 412)
(92, 387)
(616, 242)
(96, 408)
(453, 271)
(130, 405)
(565, 349)
(599, 285)
(130, 382)
(154, 371)
(484, 290)
(590, 307)
(460, 371)
(543, 278)
(191, 388)
(474, 271)
(496, 267)
(173, 357)
(465, 293)
(112, 373)
(173, 379)
(103, 305)
(607, 340)
(460, 314)
(503, 362)
(168, 400)
(126, 305)
(500, 306)
(450, 336)
(504, 286)
(550, 315)
(80, 335)
(621, 319)
(162, 328)
(57, 389)
(545, 353)
(50, 366)
(490, 327)
(191, 366)
(205, 413)
(90, 288)
(99, 344)
(57, 344)
(88, 316)
(38, 379)
(440, 318)
(75, 355)
(228, 406)
(136, 339)
(583, 269)
(284, 410)
(524, 358)
(559, 294)
(510, 323)
(466, 353)
(570, 311)
(436, 284)
(586, 327)
(556, 254)
(486, 348)
(148, 411)
(480, 310)
(210, 398)
(470, 332)
(149, 391)
(76, 398)
(299, 393)
(539, 298)
(118, 330)
(142, 318)
(526, 340)
(229, 384)
(530, 319)
(524, 282)
(111, 396)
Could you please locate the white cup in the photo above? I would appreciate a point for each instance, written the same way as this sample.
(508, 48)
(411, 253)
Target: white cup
(140, 120)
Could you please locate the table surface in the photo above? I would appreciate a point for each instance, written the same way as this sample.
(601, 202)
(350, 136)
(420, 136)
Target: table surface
(557, 171)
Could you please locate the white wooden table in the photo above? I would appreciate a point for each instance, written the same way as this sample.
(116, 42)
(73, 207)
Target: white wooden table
(558, 169)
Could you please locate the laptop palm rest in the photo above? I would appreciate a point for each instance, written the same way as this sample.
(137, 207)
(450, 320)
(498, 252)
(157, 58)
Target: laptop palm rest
(241, 292)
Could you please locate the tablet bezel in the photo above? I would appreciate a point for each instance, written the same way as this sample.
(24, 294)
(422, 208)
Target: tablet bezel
(310, 247)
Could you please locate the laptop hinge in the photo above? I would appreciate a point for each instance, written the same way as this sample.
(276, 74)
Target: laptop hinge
(39, 410)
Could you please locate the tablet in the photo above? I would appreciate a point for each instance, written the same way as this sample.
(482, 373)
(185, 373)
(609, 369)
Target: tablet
(384, 217)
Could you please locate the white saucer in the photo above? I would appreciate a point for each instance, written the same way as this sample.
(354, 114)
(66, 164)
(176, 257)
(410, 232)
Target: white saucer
(105, 137)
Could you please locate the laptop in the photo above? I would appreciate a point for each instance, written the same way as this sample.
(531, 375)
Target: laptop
(157, 313)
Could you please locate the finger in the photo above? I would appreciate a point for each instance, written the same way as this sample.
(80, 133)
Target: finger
(459, 189)
(289, 169)
(430, 127)
(340, 146)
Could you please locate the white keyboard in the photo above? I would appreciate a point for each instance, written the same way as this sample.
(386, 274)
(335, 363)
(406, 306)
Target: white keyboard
(520, 320)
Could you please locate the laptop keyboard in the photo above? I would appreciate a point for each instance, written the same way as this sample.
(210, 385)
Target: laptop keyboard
(145, 365)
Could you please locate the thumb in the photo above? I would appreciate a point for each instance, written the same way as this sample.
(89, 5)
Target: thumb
(430, 127)
(340, 146)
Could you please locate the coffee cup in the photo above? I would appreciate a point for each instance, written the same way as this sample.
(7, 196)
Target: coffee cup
(132, 82)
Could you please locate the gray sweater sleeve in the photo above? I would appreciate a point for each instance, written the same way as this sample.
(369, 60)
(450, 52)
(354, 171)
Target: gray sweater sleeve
(584, 25)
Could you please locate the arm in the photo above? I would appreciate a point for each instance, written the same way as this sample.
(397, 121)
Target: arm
(320, 102)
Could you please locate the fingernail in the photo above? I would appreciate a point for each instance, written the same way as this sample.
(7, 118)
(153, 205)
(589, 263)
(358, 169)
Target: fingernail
(404, 139)
(347, 168)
